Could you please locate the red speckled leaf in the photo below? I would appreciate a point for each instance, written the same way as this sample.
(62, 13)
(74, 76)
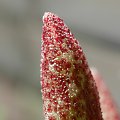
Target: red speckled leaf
(68, 89)
(108, 105)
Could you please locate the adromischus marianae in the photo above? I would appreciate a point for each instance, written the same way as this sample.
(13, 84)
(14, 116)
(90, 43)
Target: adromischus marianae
(108, 106)
(68, 88)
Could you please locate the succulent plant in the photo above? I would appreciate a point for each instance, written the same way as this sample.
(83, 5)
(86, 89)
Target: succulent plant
(108, 106)
(69, 91)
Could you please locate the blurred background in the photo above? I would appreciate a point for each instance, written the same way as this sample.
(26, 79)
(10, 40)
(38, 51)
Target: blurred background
(96, 24)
